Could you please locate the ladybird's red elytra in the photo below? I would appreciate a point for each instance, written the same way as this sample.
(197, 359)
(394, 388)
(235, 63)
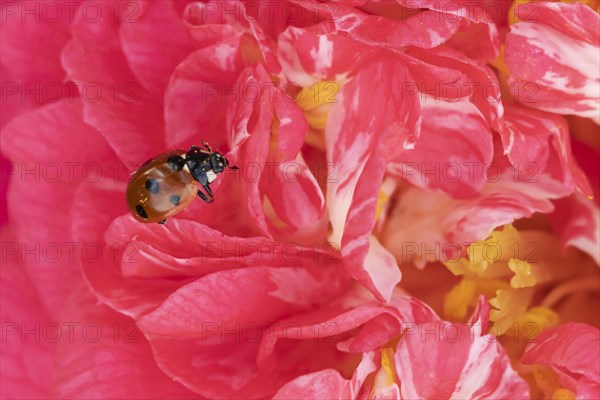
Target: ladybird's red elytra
(167, 184)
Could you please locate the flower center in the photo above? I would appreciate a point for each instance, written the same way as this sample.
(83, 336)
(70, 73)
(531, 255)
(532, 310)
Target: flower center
(507, 268)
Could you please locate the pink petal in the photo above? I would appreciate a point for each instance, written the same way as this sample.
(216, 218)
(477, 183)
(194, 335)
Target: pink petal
(108, 357)
(370, 123)
(197, 96)
(284, 289)
(173, 250)
(266, 46)
(316, 53)
(56, 137)
(44, 243)
(214, 22)
(209, 23)
(318, 385)
(204, 349)
(447, 74)
(250, 133)
(459, 363)
(472, 10)
(469, 19)
(577, 218)
(6, 169)
(288, 183)
(52, 151)
(114, 102)
(328, 383)
(481, 316)
(22, 317)
(485, 49)
(381, 272)
(31, 43)
(154, 41)
(454, 147)
(425, 29)
(323, 325)
(575, 20)
(355, 309)
(528, 140)
(557, 49)
(292, 126)
(572, 350)
(297, 200)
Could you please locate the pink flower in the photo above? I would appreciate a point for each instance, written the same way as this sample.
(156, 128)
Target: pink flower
(367, 134)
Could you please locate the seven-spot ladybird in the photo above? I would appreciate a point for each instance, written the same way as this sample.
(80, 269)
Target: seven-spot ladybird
(166, 184)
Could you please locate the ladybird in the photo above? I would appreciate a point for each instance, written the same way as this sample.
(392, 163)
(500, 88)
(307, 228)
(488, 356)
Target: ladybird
(167, 184)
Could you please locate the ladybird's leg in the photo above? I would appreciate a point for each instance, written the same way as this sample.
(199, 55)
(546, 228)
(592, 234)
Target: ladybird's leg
(203, 179)
(203, 197)
(176, 162)
(206, 145)
(164, 221)
(207, 188)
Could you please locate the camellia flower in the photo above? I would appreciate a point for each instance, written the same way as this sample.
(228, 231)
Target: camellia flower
(415, 214)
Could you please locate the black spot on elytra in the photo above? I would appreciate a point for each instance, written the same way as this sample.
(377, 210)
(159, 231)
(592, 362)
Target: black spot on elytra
(140, 210)
(175, 199)
(152, 185)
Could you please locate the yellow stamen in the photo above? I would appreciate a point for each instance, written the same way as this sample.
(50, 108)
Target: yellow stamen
(386, 376)
(535, 320)
(542, 380)
(575, 285)
(487, 258)
(381, 201)
(317, 117)
(315, 100)
(457, 301)
(523, 275)
(464, 295)
(387, 363)
(509, 307)
(316, 94)
(563, 394)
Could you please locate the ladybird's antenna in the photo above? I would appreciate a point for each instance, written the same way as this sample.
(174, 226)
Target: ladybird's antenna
(206, 145)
